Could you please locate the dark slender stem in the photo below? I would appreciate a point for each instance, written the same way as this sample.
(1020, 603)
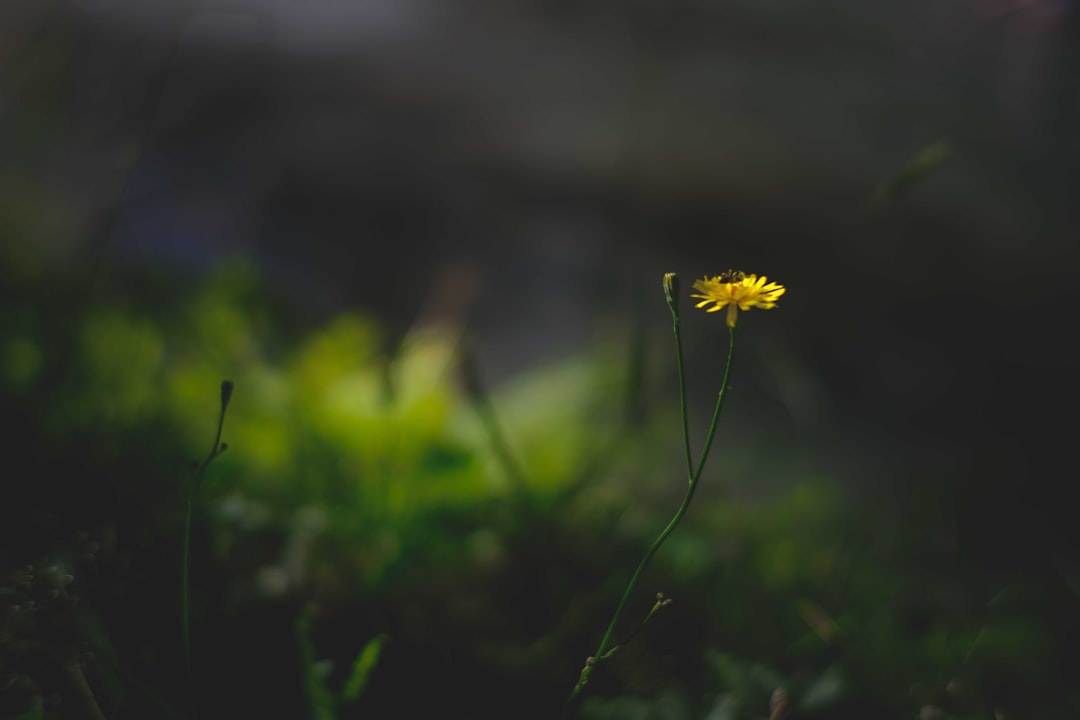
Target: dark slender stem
(185, 569)
(485, 409)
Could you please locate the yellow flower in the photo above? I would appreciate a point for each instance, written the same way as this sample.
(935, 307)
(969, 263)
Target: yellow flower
(737, 291)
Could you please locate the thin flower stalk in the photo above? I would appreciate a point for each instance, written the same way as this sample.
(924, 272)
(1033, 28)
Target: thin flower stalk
(193, 492)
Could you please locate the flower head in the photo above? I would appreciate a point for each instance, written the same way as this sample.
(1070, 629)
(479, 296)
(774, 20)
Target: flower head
(737, 290)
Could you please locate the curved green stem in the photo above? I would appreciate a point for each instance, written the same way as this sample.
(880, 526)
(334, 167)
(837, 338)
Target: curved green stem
(603, 651)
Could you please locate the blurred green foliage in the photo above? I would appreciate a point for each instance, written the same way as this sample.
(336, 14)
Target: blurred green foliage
(362, 548)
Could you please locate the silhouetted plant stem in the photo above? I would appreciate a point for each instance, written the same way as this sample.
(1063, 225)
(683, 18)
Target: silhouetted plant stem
(477, 391)
(193, 492)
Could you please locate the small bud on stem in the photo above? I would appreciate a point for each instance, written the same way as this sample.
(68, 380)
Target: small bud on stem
(671, 292)
(226, 393)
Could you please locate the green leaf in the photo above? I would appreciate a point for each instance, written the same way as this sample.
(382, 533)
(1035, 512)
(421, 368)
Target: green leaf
(365, 662)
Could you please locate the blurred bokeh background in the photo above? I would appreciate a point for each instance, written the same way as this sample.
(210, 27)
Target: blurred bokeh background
(425, 240)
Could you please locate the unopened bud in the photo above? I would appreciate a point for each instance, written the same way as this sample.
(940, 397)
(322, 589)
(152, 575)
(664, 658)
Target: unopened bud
(671, 291)
(226, 393)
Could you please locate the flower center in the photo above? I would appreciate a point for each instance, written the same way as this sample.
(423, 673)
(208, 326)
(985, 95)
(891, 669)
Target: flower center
(732, 276)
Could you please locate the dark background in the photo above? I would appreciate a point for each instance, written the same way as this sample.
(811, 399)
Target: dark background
(525, 172)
